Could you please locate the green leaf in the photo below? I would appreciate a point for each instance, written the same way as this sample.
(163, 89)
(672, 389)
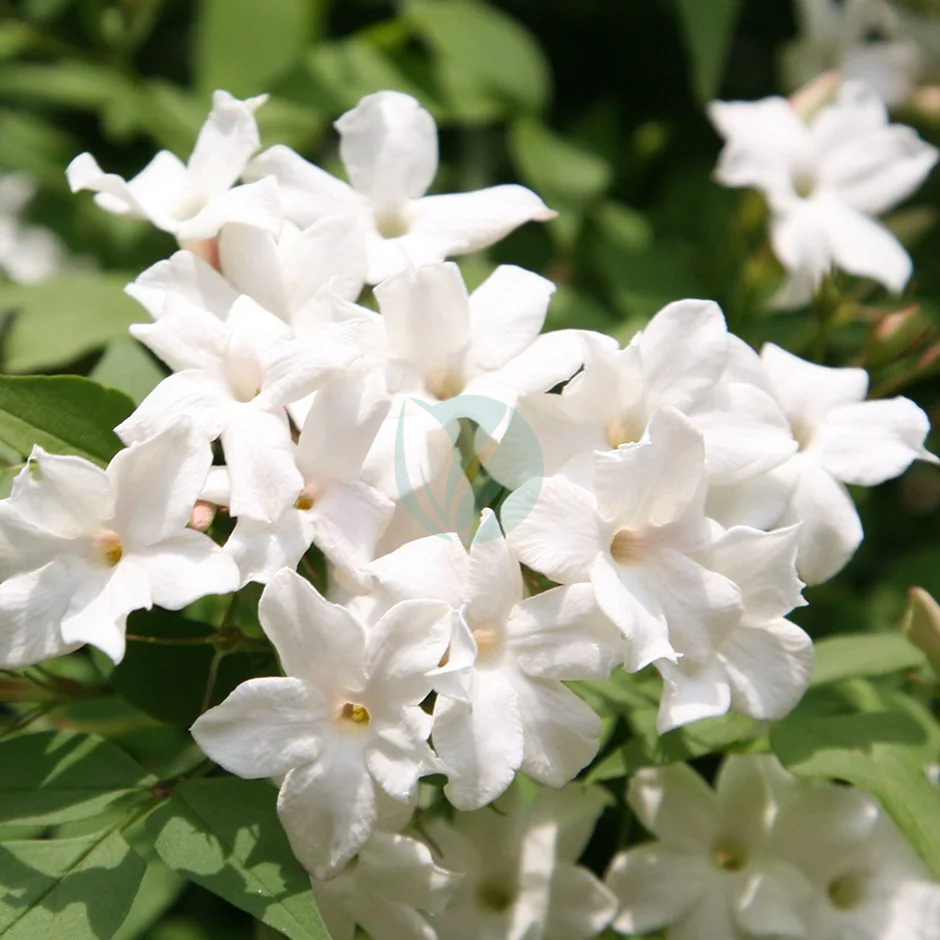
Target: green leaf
(129, 368)
(883, 752)
(54, 777)
(852, 655)
(243, 46)
(555, 167)
(169, 682)
(70, 83)
(59, 320)
(224, 834)
(67, 889)
(708, 27)
(487, 48)
(63, 413)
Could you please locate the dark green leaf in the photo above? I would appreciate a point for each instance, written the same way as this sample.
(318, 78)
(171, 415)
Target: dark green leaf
(853, 655)
(58, 776)
(67, 889)
(224, 834)
(708, 26)
(63, 413)
(59, 320)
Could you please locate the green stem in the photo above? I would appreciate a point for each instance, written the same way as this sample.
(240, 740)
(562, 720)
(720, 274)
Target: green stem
(173, 640)
(210, 680)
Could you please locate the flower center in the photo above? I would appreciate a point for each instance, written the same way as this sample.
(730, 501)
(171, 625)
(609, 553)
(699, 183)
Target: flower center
(495, 896)
(804, 182)
(243, 374)
(444, 385)
(627, 547)
(391, 223)
(357, 714)
(308, 497)
(108, 546)
(623, 431)
(488, 638)
(847, 892)
(729, 856)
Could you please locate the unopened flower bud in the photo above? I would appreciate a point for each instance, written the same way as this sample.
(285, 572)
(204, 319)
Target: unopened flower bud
(809, 100)
(895, 334)
(205, 248)
(921, 625)
(202, 516)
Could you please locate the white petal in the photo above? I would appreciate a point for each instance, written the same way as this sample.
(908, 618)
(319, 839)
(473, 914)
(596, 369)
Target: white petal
(98, 613)
(186, 336)
(494, 581)
(388, 144)
(249, 259)
(32, 607)
(308, 193)
(347, 522)
(506, 314)
(769, 668)
(157, 482)
(257, 204)
(400, 753)
(562, 733)
(801, 242)
(427, 317)
(464, 222)
(580, 905)
(776, 901)
(655, 887)
(691, 692)
(758, 502)
(676, 805)
(328, 808)
(185, 275)
(435, 566)
(562, 634)
(872, 441)
(386, 921)
(550, 359)
(864, 247)
(480, 743)
(185, 567)
(552, 526)
(63, 495)
(315, 640)
(265, 728)
(261, 549)
(830, 529)
(225, 143)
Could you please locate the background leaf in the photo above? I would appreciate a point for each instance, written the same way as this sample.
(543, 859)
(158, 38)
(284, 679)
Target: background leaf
(853, 655)
(224, 834)
(63, 413)
(708, 27)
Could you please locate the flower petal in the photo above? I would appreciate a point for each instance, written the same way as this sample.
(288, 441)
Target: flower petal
(676, 805)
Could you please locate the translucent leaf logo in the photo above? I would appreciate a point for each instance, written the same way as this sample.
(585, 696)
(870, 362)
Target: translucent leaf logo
(454, 457)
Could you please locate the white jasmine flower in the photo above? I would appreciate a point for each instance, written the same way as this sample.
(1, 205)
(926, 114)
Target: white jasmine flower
(344, 722)
(386, 890)
(28, 253)
(508, 709)
(843, 439)
(234, 377)
(869, 883)
(825, 180)
(193, 200)
(711, 873)
(81, 547)
(683, 358)
(634, 538)
(388, 144)
(521, 880)
(342, 516)
(864, 40)
(763, 666)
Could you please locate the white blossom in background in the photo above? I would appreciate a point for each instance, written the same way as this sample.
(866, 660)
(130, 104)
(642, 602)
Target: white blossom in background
(764, 664)
(388, 145)
(335, 511)
(344, 721)
(825, 181)
(864, 40)
(869, 884)
(29, 254)
(712, 871)
(193, 200)
(683, 358)
(843, 439)
(234, 377)
(82, 547)
(387, 890)
(635, 539)
(501, 706)
(518, 859)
